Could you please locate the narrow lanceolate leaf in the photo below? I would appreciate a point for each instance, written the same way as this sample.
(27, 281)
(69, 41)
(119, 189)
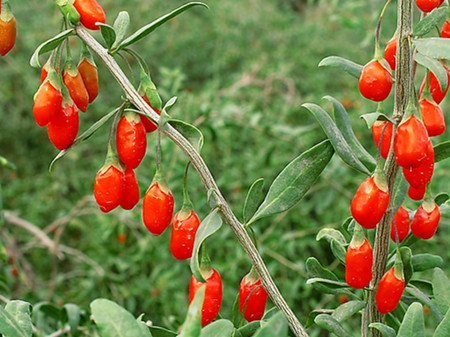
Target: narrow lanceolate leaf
(114, 321)
(400, 190)
(441, 290)
(331, 324)
(147, 29)
(441, 198)
(10, 327)
(371, 117)
(219, 328)
(435, 67)
(120, 27)
(426, 261)
(431, 21)
(338, 250)
(108, 34)
(158, 331)
(20, 310)
(331, 234)
(346, 310)
(275, 326)
(413, 323)
(49, 45)
(295, 180)
(337, 139)
(192, 325)
(434, 47)
(385, 330)
(441, 151)
(342, 120)
(253, 200)
(408, 270)
(348, 66)
(84, 136)
(190, 132)
(73, 313)
(208, 227)
(423, 298)
(443, 329)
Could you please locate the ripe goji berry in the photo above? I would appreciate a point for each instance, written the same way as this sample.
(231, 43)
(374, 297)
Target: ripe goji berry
(410, 142)
(131, 141)
(426, 220)
(358, 264)
(63, 129)
(89, 73)
(420, 175)
(377, 129)
(90, 12)
(130, 194)
(417, 193)
(370, 202)
(445, 30)
(108, 187)
(432, 117)
(428, 5)
(435, 88)
(45, 69)
(148, 124)
(74, 83)
(390, 290)
(213, 295)
(390, 52)
(47, 101)
(184, 227)
(7, 28)
(401, 222)
(375, 82)
(253, 297)
(157, 208)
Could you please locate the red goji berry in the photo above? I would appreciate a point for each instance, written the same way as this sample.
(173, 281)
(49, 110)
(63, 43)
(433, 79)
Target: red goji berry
(375, 82)
(74, 83)
(420, 175)
(417, 193)
(63, 129)
(377, 129)
(401, 222)
(157, 208)
(410, 142)
(390, 52)
(253, 297)
(89, 73)
(184, 227)
(148, 124)
(435, 88)
(131, 141)
(445, 30)
(90, 12)
(130, 194)
(7, 28)
(390, 290)
(432, 117)
(358, 264)
(213, 295)
(426, 220)
(47, 103)
(428, 5)
(108, 187)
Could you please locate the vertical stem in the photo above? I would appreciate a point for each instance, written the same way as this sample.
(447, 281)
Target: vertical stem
(403, 90)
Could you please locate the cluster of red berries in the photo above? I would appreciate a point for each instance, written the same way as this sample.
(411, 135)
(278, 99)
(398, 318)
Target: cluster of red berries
(7, 28)
(414, 153)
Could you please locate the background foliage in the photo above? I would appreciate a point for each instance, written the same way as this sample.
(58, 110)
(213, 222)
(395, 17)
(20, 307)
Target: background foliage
(240, 70)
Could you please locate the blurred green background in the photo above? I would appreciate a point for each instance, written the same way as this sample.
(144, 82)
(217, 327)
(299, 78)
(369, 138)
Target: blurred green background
(241, 71)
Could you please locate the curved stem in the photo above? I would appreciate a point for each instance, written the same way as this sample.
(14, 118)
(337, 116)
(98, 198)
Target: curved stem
(207, 180)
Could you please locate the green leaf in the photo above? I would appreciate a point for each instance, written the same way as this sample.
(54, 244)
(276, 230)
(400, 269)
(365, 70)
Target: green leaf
(120, 27)
(372, 117)
(423, 298)
(2, 220)
(347, 310)
(249, 329)
(441, 198)
(348, 66)
(441, 151)
(192, 324)
(385, 330)
(295, 180)
(331, 234)
(114, 321)
(338, 250)
(73, 313)
(275, 326)
(435, 67)
(219, 328)
(20, 311)
(331, 324)
(434, 47)
(400, 190)
(443, 329)
(413, 323)
(429, 22)
(9, 326)
(208, 227)
(342, 120)
(84, 136)
(441, 290)
(405, 253)
(253, 200)
(49, 45)
(147, 29)
(6, 163)
(337, 139)
(190, 132)
(108, 34)
(158, 331)
(426, 261)
(328, 282)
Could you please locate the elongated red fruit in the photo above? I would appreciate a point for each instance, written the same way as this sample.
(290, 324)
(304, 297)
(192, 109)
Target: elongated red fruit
(426, 220)
(401, 221)
(157, 208)
(8, 29)
(390, 53)
(63, 129)
(375, 82)
(89, 73)
(91, 13)
(417, 193)
(435, 88)
(410, 142)
(432, 117)
(420, 175)
(370, 203)
(377, 129)
(358, 264)
(47, 103)
(213, 295)
(184, 227)
(130, 193)
(445, 30)
(74, 83)
(148, 124)
(131, 141)
(253, 297)
(389, 292)
(108, 187)
(428, 5)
